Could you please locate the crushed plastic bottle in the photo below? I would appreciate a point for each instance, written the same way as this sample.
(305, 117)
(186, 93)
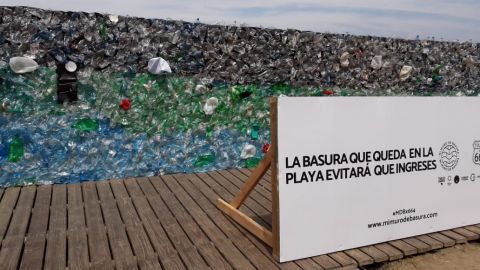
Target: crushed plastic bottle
(204, 160)
(22, 64)
(254, 132)
(158, 66)
(86, 125)
(265, 148)
(376, 62)
(252, 162)
(405, 73)
(248, 151)
(210, 105)
(16, 150)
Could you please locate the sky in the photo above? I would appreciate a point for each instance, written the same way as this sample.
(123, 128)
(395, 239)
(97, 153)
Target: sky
(440, 19)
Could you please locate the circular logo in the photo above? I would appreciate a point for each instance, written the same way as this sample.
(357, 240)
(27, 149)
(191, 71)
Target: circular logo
(449, 155)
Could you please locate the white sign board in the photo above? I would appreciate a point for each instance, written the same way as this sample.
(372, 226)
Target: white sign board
(355, 171)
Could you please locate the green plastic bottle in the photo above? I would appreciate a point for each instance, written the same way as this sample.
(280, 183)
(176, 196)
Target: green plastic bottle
(204, 160)
(16, 149)
(252, 162)
(86, 125)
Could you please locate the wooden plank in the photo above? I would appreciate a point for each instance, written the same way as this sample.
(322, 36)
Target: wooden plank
(6, 208)
(100, 255)
(58, 209)
(39, 223)
(223, 185)
(195, 235)
(104, 191)
(77, 249)
(11, 252)
(149, 264)
(226, 247)
(77, 232)
(34, 251)
(377, 255)
(140, 242)
(405, 247)
(446, 241)
(76, 214)
(259, 231)
(21, 214)
(433, 243)
(309, 264)
(93, 212)
(154, 213)
(119, 190)
(360, 257)
(263, 199)
(471, 236)
(135, 191)
(127, 211)
(248, 208)
(252, 249)
(102, 265)
(12, 244)
(257, 253)
(343, 259)
(326, 262)
(160, 241)
(264, 186)
(56, 251)
(117, 236)
(458, 238)
(251, 208)
(141, 245)
(393, 253)
(473, 229)
(419, 246)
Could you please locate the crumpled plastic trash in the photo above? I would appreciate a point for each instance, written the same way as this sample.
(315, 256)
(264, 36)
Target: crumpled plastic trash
(248, 151)
(377, 62)
(158, 66)
(16, 150)
(86, 124)
(204, 160)
(210, 105)
(113, 18)
(22, 64)
(200, 89)
(344, 62)
(405, 72)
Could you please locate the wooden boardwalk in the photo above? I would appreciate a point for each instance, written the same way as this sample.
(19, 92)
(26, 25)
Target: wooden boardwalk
(167, 222)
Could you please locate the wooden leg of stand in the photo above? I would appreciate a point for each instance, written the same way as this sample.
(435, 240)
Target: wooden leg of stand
(258, 230)
(252, 181)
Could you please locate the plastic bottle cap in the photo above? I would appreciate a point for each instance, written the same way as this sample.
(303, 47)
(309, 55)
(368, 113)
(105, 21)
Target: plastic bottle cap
(71, 66)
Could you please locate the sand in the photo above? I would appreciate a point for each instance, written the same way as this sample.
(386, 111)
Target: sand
(464, 257)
